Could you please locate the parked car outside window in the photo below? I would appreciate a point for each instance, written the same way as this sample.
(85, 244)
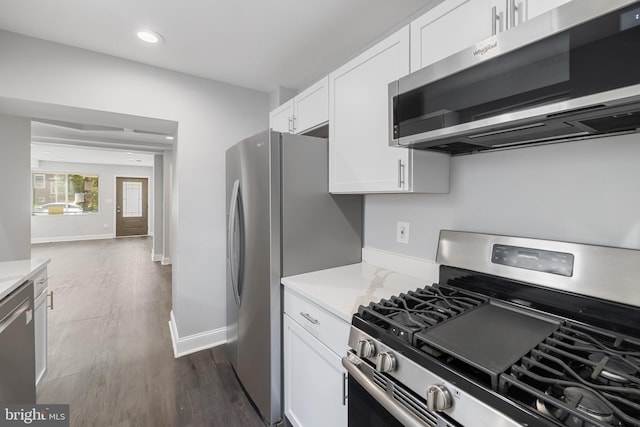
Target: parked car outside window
(55, 208)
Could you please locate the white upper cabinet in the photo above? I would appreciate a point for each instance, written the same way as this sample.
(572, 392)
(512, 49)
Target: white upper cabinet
(455, 25)
(281, 119)
(311, 106)
(448, 28)
(307, 110)
(514, 12)
(360, 158)
(538, 7)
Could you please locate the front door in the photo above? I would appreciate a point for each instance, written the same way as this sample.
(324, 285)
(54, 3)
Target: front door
(131, 206)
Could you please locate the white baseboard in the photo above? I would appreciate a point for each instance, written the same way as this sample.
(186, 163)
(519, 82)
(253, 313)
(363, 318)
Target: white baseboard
(165, 261)
(71, 238)
(419, 268)
(196, 342)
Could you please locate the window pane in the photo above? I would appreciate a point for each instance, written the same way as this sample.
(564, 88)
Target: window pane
(60, 193)
(131, 199)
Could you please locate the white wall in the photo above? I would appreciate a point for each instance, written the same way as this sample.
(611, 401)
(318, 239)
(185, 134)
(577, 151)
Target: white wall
(158, 207)
(581, 191)
(15, 205)
(211, 116)
(56, 228)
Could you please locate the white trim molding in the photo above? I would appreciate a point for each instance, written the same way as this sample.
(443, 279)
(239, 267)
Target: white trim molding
(71, 238)
(419, 268)
(165, 260)
(196, 342)
(156, 257)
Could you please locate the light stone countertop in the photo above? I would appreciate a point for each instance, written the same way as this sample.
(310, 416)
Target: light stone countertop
(342, 290)
(15, 273)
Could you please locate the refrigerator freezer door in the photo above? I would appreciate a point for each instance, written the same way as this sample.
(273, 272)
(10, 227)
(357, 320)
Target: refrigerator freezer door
(256, 325)
(233, 194)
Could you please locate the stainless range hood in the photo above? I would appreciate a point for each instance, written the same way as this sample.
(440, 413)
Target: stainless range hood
(572, 72)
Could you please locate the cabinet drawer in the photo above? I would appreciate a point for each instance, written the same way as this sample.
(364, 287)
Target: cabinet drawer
(329, 329)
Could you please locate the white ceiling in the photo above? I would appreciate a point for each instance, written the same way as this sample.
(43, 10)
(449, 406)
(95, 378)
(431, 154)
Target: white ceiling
(73, 143)
(259, 44)
(87, 155)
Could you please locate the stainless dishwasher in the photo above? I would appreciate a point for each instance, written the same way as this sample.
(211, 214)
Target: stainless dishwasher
(17, 347)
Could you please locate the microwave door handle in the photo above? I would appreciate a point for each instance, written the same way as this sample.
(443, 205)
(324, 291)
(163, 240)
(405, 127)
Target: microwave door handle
(405, 417)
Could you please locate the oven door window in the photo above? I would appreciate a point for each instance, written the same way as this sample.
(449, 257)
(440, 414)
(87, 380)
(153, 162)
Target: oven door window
(365, 411)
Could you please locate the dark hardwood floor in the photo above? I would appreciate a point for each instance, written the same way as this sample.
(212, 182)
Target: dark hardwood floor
(110, 354)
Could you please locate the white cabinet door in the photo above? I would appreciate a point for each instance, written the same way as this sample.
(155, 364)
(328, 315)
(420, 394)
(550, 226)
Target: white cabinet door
(448, 28)
(281, 119)
(360, 159)
(314, 380)
(538, 7)
(311, 106)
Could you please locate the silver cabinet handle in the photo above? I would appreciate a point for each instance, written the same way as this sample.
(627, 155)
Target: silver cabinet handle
(51, 295)
(345, 380)
(309, 318)
(494, 20)
(290, 123)
(495, 17)
(294, 124)
(513, 9)
(400, 174)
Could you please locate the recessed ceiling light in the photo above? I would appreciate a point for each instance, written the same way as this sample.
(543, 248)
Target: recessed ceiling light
(150, 37)
(169, 137)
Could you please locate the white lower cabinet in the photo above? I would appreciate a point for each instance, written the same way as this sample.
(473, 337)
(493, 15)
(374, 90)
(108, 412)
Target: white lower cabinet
(315, 383)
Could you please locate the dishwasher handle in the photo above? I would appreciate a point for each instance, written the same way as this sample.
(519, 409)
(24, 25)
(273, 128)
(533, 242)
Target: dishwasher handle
(23, 307)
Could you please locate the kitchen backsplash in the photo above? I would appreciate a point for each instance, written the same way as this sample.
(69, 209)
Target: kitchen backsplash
(582, 191)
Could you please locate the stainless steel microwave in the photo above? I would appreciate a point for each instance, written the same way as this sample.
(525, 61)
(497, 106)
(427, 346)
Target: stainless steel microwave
(571, 72)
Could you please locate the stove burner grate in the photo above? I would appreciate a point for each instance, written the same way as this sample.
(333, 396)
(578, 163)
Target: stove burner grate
(582, 376)
(406, 314)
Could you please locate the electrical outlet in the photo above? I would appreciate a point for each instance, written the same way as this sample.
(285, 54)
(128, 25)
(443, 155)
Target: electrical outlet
(402, 234)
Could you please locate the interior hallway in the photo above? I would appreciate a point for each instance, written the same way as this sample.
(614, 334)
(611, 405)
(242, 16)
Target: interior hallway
(110, 354)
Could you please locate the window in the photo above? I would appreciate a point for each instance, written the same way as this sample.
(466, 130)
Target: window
(64, 193)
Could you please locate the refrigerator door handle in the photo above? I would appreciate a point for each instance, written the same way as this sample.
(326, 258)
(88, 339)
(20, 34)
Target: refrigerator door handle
(233, 269)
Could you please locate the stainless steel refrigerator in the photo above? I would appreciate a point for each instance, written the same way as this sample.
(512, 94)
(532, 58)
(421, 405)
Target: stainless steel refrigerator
(281, 220)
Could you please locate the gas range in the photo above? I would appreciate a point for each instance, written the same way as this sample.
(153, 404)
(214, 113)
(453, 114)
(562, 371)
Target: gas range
(517, 332)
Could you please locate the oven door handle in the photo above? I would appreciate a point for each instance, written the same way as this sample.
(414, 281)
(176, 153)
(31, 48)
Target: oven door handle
(405, 417)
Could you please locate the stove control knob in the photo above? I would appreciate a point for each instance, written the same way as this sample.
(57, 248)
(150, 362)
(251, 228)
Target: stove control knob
(438, 398)
(365, 348)
(386, 362)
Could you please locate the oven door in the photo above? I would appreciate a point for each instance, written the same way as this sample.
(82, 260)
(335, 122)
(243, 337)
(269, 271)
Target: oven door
(376, 400)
